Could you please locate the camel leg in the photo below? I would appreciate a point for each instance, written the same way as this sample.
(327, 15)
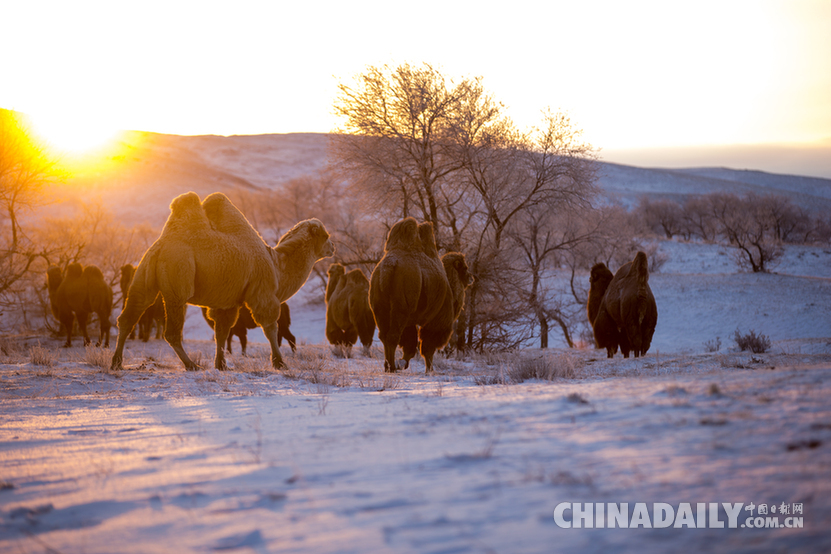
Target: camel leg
(223, 320)
(366, 334)
(175, 313)
(104, 324)
(243, 340)
(432, 340)
(409, 344)
(283, 332)
(82, 324)
(137, 303)
(68, 320)
(271, 333)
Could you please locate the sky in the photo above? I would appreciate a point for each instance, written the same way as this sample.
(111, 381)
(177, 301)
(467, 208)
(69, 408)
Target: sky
(633, 75)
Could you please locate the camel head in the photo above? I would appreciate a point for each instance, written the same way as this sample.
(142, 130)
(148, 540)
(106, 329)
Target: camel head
(455, 261)
(336, 270)
(312, 234)
(600, 275)
(54, 276)
(127, 271)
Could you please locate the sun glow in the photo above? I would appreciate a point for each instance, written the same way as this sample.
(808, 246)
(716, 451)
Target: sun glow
(73, 135)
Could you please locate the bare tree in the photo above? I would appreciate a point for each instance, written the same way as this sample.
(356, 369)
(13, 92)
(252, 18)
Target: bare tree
(397, 137)
(663, 216)
(421, 145)
(25, 169)
(697, 216)
(745, 223)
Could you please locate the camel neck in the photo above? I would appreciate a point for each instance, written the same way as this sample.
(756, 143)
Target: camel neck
(293, 269)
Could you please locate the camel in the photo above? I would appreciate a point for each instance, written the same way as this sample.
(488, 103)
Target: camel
(348, 315)
(77, 294)
(209, 255)
(606, 334)
(459, 279)
(630, 307)
(409, 290)
(152, 315)
(245, 321)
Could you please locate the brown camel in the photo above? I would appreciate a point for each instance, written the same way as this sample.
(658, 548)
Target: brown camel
(409, 289)
(348, 315)
(209, 255)
(630, 305)
(459, 279)
(77, 294)
(606, 334)
(245, 321)
(154, 315)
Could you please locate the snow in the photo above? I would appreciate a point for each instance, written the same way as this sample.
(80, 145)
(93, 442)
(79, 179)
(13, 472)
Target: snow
(332, 455)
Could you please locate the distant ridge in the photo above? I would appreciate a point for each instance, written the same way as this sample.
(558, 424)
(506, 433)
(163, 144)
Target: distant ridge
(139, 186)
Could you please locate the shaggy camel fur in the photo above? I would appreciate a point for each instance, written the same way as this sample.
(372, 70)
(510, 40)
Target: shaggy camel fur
(606, 334)
(408, 290)
(459, 279)
(152, 315)
(245, 321)
(77, 294)
(630, 305)
(209, 255)
(348, 315)
(127, 272)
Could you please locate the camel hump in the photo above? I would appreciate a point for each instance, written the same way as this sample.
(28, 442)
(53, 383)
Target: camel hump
(225, 217)
(357, 277)
(404, 236)
(186, 214)
(641, 264)
(640, 267)
(185, 203)
(427, 237)
(93, 272)
(74, 270)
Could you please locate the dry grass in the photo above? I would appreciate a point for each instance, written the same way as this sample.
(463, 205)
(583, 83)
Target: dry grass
(11, 351)
(546, 367)
(317, 367)
(41, 356)
(255, 365)
(379, 382)
(97, 356)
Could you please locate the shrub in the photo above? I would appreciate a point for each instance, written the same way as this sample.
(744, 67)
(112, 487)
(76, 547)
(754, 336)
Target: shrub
(544, 367)
(41, 356)
(758, 344)
(713, 345)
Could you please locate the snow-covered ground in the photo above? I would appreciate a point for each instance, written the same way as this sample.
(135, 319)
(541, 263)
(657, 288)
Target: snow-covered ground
(331, 455)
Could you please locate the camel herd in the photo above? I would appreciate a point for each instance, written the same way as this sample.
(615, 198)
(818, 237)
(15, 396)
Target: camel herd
(621, 307)
(209, 255)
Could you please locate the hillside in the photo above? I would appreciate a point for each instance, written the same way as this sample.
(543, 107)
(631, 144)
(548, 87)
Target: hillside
(152, 169)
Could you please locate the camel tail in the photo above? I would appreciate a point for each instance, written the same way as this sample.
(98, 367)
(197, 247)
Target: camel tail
(640, 266)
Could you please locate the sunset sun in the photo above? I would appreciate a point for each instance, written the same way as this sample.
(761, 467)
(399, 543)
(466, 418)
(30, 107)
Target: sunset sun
(73, 134)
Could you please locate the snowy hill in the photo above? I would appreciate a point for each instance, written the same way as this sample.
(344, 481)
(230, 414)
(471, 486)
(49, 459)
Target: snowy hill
(139, 184)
